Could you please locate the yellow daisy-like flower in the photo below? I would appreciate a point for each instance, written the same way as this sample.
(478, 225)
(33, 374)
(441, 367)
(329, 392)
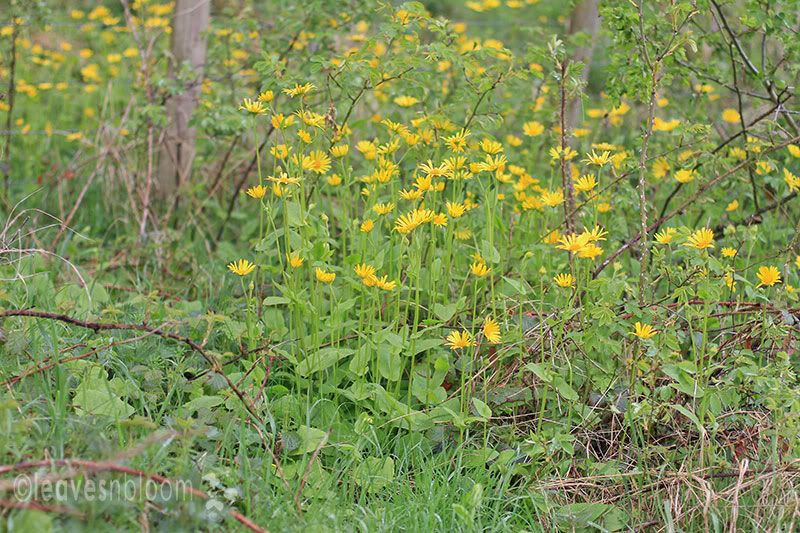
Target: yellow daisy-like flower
(701, 239)
(406, 101)
(731, 116)
(317, 162)
(533, 128)
(479, 269)
(684, 175)
(367, 225)
(564, 280)
(324, 276)
(460, 339)
(768, 276)
(364, 270)
(733, 206)
(728, 252)
(491, 330)
(457, 143)
(383, 209)
(585, 183)
(242, 267)
(455, 209)
(254, 107)
(665, 236)
(385, 284)
(644, 331)
(340, 150)
(661, 167)
(258, 192)
(299, 90)
(294, 259)
(600, 160)
(266, 96)
(729, 281)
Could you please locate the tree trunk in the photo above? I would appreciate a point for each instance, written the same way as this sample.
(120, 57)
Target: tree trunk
(584, 19)
(188, 48)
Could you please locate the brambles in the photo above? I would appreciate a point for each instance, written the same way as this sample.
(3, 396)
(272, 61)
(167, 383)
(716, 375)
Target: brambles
(420, 263)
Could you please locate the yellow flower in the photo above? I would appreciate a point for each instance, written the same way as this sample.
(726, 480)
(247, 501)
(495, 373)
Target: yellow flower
(455, 209)
(324, 276)
(733, 206)
(738, 153)
(599, 160)
(279, 121)
(532, 128)
(491, 147)
(728, 252)
(701, 239)
(253, 107)
(317, 161)
(791, 180)
(405, 224)
(644, 331)
(383, 209)
(665, 125)
(794, 150)
(280, 151)
(564, 280)
(304, 136)
(729, 281)
(367, 225)
(294, 259)
(684, 175)
(491, 330)
(460, 339)
(340, 150)
(266, 96)
(364, 270)
(552, 198)
(763, 167)
(797, 261)
(585, 183)
(768, 276)
(334, 180)
(731, 116)
(458, 142)
(299, 90)
(665, 236)
(384, 284)
(242, 267)
(590, 251)
(406, 101)
(258, 192)
(557, 153)
(479, 269)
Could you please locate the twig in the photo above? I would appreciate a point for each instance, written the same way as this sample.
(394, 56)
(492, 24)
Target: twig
(106, 326)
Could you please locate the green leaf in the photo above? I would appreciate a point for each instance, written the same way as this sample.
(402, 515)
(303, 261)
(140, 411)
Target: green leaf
(374, 473)
(310, 439)
(563, 388)
(203, 402)
(321, 360)
(275, 300)
(482, 409)
(445, 312)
